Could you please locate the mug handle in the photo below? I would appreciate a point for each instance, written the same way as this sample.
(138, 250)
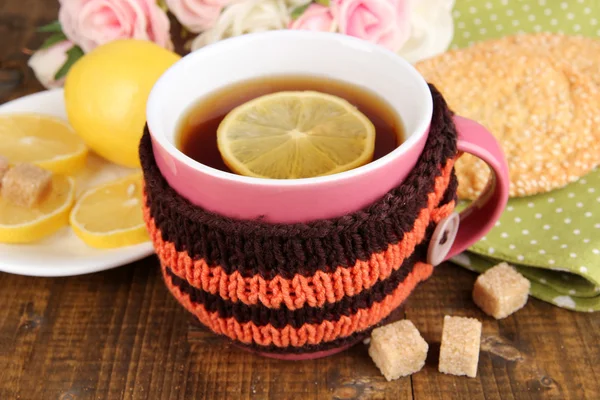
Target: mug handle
(481, 215)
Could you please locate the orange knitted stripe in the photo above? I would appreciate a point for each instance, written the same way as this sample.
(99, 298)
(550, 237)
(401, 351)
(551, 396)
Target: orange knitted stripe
(311, 334)
(313, 290)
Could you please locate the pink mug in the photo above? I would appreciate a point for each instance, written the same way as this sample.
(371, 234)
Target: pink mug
(301, 200)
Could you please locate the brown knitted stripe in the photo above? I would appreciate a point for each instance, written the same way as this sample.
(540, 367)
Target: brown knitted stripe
(335, 344)
(450, 196)
(258, 248)
(315, 348)
(289, 336)
(279, 318)
(312, 348)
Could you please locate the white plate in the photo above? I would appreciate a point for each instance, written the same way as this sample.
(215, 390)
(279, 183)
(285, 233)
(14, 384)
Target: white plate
(63, 254)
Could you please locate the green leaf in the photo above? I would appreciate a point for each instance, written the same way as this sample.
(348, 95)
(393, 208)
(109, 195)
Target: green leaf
(323, 2)
(51, 27)
(184, 33)
(73, 54)
(162, 4)
(52, 40)
(298, 11)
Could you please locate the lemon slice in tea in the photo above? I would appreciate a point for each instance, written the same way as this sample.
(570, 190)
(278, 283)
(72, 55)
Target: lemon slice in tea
(296, 134)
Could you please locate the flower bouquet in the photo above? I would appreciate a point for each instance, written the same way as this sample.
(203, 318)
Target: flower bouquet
(415, 29)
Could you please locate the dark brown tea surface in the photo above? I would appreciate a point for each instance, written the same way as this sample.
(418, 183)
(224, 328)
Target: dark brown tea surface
(197, 131)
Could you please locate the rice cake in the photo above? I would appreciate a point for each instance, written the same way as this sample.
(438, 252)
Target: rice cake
(545, 114)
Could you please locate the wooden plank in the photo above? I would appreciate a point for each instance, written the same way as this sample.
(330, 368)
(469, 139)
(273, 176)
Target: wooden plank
(426, 309)
(540, 352)
(120, 334)
(21, 320)
(116, 334)
(18, 22)
(225, 371)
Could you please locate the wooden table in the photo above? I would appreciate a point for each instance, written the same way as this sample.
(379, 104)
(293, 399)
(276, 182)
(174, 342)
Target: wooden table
(119, 333)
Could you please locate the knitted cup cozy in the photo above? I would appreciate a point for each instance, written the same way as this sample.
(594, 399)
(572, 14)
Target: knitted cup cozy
(305, 287)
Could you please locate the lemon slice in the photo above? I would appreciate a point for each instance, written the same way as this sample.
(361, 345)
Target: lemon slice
(45, 141)
(110, 215)
(288, 135)
(25, 225)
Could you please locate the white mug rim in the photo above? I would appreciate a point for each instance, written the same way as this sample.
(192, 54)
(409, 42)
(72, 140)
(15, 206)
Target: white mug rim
(155, 99)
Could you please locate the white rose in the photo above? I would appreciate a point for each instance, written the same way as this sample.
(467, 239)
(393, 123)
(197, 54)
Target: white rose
(45, 63)
(432, 29)
(249, 16)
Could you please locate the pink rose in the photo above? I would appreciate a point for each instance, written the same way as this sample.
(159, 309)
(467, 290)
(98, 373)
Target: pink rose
(385, 22)
(46, 62)
(197, 15)
(90, 23)
(315, 18)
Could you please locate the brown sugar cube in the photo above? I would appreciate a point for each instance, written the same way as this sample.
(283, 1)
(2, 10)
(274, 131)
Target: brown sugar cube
(500, 291)
(398, 349)
(459, 351)
(26, 184)
(4, 166)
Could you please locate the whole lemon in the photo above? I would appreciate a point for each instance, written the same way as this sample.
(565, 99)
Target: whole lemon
(106, 92)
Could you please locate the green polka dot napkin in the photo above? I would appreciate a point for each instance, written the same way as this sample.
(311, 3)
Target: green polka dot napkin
(554, 238)
(477, 20)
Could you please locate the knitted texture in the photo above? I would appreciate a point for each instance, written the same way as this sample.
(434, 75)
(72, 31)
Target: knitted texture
(304, 287)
